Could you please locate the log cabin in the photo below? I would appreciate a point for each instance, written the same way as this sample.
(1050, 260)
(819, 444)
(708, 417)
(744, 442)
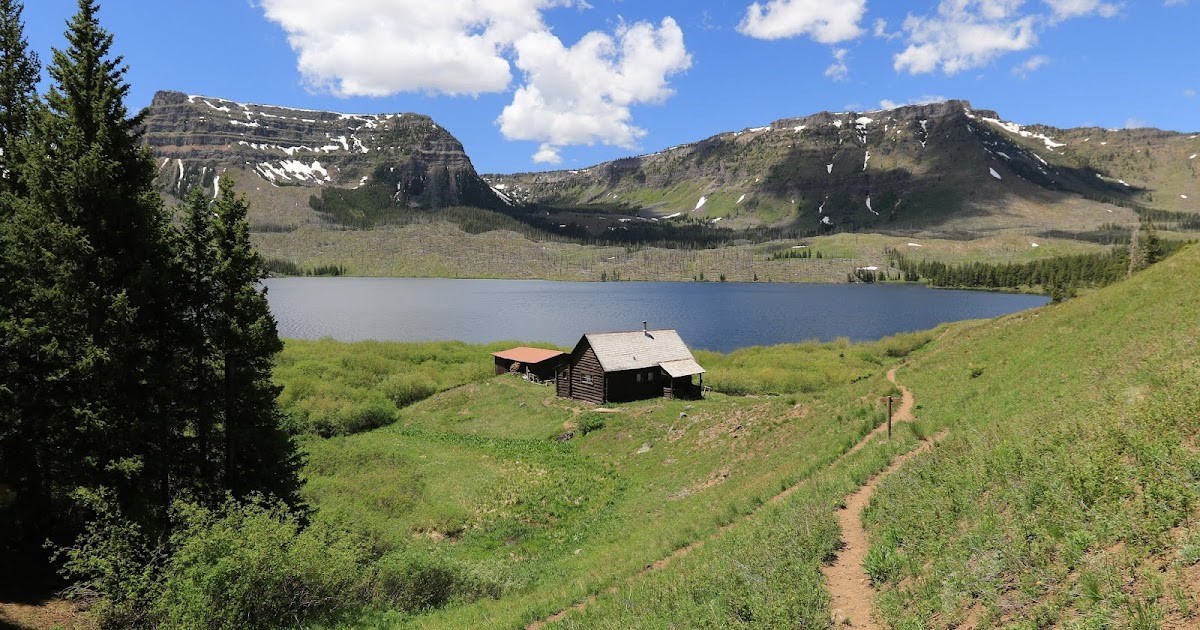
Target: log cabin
(625, 366)
(536, 362)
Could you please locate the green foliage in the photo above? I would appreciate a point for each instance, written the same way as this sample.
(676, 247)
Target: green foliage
(277, 267)
(19, 74)
(86, 314)
(252, 565)
(1077, 468)
(1053, 274)
(136, 353)
(801, 368)
(590, 423)
(416, 581)
(113, 558)
(332, 388)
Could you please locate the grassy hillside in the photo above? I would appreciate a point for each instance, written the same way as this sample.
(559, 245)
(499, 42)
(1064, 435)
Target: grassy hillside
(442, 250)
(1067, 492)
(494, 503)
(1063, 493)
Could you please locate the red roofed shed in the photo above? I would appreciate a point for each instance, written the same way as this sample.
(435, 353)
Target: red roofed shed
(536, 361)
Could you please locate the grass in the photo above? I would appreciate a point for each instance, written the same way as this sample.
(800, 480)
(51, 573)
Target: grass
(1066, 493)
(1071, 479)
(442, 250)
(334, 388)
(497, 477)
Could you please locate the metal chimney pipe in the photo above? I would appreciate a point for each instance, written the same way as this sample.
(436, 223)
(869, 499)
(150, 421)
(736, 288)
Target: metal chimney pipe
(645, 331)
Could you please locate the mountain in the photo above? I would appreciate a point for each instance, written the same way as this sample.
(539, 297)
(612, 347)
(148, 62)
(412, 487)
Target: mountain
(942, 167)
(287, 159)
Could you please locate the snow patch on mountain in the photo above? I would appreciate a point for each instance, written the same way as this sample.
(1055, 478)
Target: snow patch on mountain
(1016, 129)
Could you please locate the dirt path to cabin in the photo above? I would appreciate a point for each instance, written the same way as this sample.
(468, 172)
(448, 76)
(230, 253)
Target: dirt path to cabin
(848, 583)
(849, 587)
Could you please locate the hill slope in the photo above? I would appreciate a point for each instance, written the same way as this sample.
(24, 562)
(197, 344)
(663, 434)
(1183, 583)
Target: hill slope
(1068, 489)
(939, 166)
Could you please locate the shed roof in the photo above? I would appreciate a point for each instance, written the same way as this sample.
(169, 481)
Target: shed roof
(637, 350)
(682, 367)
(528, 355)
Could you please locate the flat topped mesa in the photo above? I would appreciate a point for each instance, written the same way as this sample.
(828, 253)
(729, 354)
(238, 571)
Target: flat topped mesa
(625, 366)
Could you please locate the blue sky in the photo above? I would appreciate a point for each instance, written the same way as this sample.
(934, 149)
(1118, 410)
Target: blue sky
(539, 84)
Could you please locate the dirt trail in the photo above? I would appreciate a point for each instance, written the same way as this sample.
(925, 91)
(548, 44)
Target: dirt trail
(848, 583)
(903, 414)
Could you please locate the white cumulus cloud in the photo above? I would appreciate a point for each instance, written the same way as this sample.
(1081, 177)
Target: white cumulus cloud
(826, 21)
(838, 70)
(566, 95)
(965, 34)
(1066, 9)
(583, 94)
(1031, 65)
(923, 100)
(382, 47)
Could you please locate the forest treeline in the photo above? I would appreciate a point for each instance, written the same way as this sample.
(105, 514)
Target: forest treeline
(1058, 277)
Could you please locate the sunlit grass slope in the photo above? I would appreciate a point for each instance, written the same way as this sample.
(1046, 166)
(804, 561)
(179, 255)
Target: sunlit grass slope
(503, 503)
(1066, 493)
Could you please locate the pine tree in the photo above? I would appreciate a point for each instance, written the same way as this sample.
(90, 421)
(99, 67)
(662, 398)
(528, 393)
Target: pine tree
(95, 321)
(19, 70)
(259, 456)
(198, 385)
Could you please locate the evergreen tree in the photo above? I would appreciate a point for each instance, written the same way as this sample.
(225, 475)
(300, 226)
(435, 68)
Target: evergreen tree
(89, 320)
(259, 456)
(198, 384)
(19, 71)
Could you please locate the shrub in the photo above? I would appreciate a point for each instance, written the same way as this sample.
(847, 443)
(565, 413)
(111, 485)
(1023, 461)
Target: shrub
(591, 422)
(405, 389)
(113, 563)
(414, 581)
(252, 566)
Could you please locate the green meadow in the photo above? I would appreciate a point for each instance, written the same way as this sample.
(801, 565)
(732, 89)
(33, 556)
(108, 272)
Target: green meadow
(1064, 491)
(498, 504)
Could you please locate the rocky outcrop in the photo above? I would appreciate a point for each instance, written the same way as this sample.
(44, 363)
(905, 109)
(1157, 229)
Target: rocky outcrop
(197, 138)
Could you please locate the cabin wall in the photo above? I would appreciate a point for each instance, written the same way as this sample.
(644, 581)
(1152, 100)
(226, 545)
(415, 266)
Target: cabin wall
(637, 384)
(587, 377)
(547, 369)
(562, 381)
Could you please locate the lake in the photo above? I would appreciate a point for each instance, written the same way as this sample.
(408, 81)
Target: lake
(708, 315)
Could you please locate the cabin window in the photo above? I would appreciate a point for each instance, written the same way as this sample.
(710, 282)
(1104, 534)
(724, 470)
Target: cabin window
(651, 376)
(587, 379)
(639, 377)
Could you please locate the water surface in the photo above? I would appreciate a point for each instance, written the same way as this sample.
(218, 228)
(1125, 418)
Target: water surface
(709, 315)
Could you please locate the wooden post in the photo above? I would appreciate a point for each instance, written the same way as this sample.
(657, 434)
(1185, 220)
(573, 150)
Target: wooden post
(889, 417)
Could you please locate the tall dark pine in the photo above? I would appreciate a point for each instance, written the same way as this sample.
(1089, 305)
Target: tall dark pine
(22, 479)
(97, 322)
(18, 83)
(200, 458)
(259, 456)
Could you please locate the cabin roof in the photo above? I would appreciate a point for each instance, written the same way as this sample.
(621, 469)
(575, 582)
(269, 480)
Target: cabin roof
(682, 367)
(639, 349)
(528, 355)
